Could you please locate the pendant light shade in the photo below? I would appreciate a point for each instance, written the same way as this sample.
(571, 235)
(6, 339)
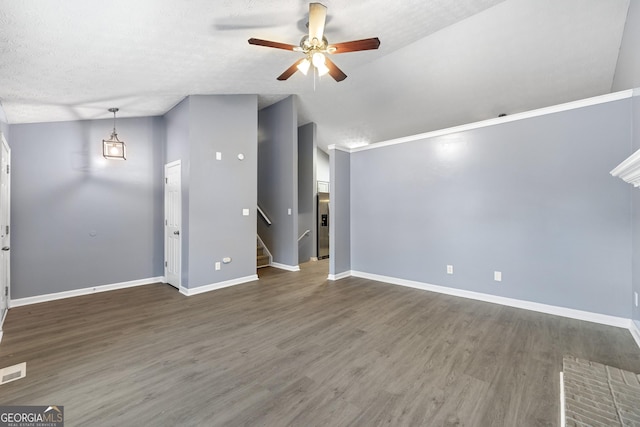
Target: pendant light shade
(113, 148)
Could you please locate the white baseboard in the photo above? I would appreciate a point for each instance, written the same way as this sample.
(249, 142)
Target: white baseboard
(84, 291)
(603, 319)
(285, 266)
(212, 287)
(339, 276)
(635, 331)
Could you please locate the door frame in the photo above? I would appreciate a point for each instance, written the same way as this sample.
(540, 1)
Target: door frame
(6, 175)
(164, 228)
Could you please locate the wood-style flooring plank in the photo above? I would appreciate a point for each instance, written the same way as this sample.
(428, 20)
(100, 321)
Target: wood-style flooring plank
(293, 349)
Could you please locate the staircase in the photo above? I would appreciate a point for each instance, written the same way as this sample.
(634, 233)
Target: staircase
(263, 257)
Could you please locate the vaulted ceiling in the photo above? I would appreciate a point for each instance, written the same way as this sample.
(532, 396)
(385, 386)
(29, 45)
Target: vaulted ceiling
(441, 63)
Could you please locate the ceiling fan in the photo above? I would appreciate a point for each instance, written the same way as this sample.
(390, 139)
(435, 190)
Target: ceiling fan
(315, 47)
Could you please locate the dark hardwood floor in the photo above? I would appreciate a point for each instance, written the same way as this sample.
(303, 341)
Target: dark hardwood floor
(295, 349)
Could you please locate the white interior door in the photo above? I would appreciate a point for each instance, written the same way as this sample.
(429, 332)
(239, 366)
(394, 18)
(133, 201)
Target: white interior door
(5, 211)
(172, 224)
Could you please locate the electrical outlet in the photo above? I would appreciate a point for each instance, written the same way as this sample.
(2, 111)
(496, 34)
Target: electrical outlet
(218, 155)
(217, 266)
(497, 276)
(449, 269)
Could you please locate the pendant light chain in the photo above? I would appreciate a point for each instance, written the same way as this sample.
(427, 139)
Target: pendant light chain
(114, 111)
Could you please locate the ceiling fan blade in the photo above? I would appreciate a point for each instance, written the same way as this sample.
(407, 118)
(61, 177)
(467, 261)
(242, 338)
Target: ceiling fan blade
(268, 43)
(290, 71)
(317, 18)
(335, 72)
(354, 46)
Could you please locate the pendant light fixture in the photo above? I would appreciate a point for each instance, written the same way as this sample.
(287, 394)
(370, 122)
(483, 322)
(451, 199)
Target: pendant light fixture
(113, 148)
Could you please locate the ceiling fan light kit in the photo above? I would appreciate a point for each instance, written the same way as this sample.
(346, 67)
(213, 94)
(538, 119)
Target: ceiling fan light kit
(303, 66)
(315, 47)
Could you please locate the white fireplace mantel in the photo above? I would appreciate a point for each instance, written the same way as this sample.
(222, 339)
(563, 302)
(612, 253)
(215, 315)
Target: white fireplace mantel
(629, 169)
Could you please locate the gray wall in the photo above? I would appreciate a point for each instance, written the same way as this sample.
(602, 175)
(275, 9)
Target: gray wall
(214, 192)
(307, 149)
(278, 179)
(627, 75)
(220, 189)
(340, 208)
(531, 198)
(636, 215)
(322, 166)
(79, 220)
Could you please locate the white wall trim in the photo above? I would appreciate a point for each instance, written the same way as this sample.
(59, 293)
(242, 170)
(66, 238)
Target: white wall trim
(285, 266)
(212, 287)
(84, 291)
(635, 332)
(603, 319)
(339, 276)
(340, 148)
(563, 417)
(602, 99)
(1, 334)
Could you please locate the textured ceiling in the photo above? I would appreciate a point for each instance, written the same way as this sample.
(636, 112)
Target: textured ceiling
(441, 62)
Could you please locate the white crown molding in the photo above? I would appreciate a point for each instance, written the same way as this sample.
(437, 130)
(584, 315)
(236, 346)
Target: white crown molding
(340, 148)
(212, 287)
(285, 266)
(84, 291)
(596, 100)
(603, 319)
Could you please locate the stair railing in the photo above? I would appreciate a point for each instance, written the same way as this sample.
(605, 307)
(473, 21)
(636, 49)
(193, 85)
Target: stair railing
(306, 233)
(264, 216)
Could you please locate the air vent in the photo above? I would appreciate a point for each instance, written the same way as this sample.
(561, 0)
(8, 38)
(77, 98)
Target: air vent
(13, 373)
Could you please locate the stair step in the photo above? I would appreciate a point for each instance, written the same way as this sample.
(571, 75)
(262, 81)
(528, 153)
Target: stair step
(262, 259)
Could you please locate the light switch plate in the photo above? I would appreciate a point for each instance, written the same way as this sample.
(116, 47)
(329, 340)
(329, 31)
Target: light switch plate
(245, 212)
(289, 211)
(218, 155)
